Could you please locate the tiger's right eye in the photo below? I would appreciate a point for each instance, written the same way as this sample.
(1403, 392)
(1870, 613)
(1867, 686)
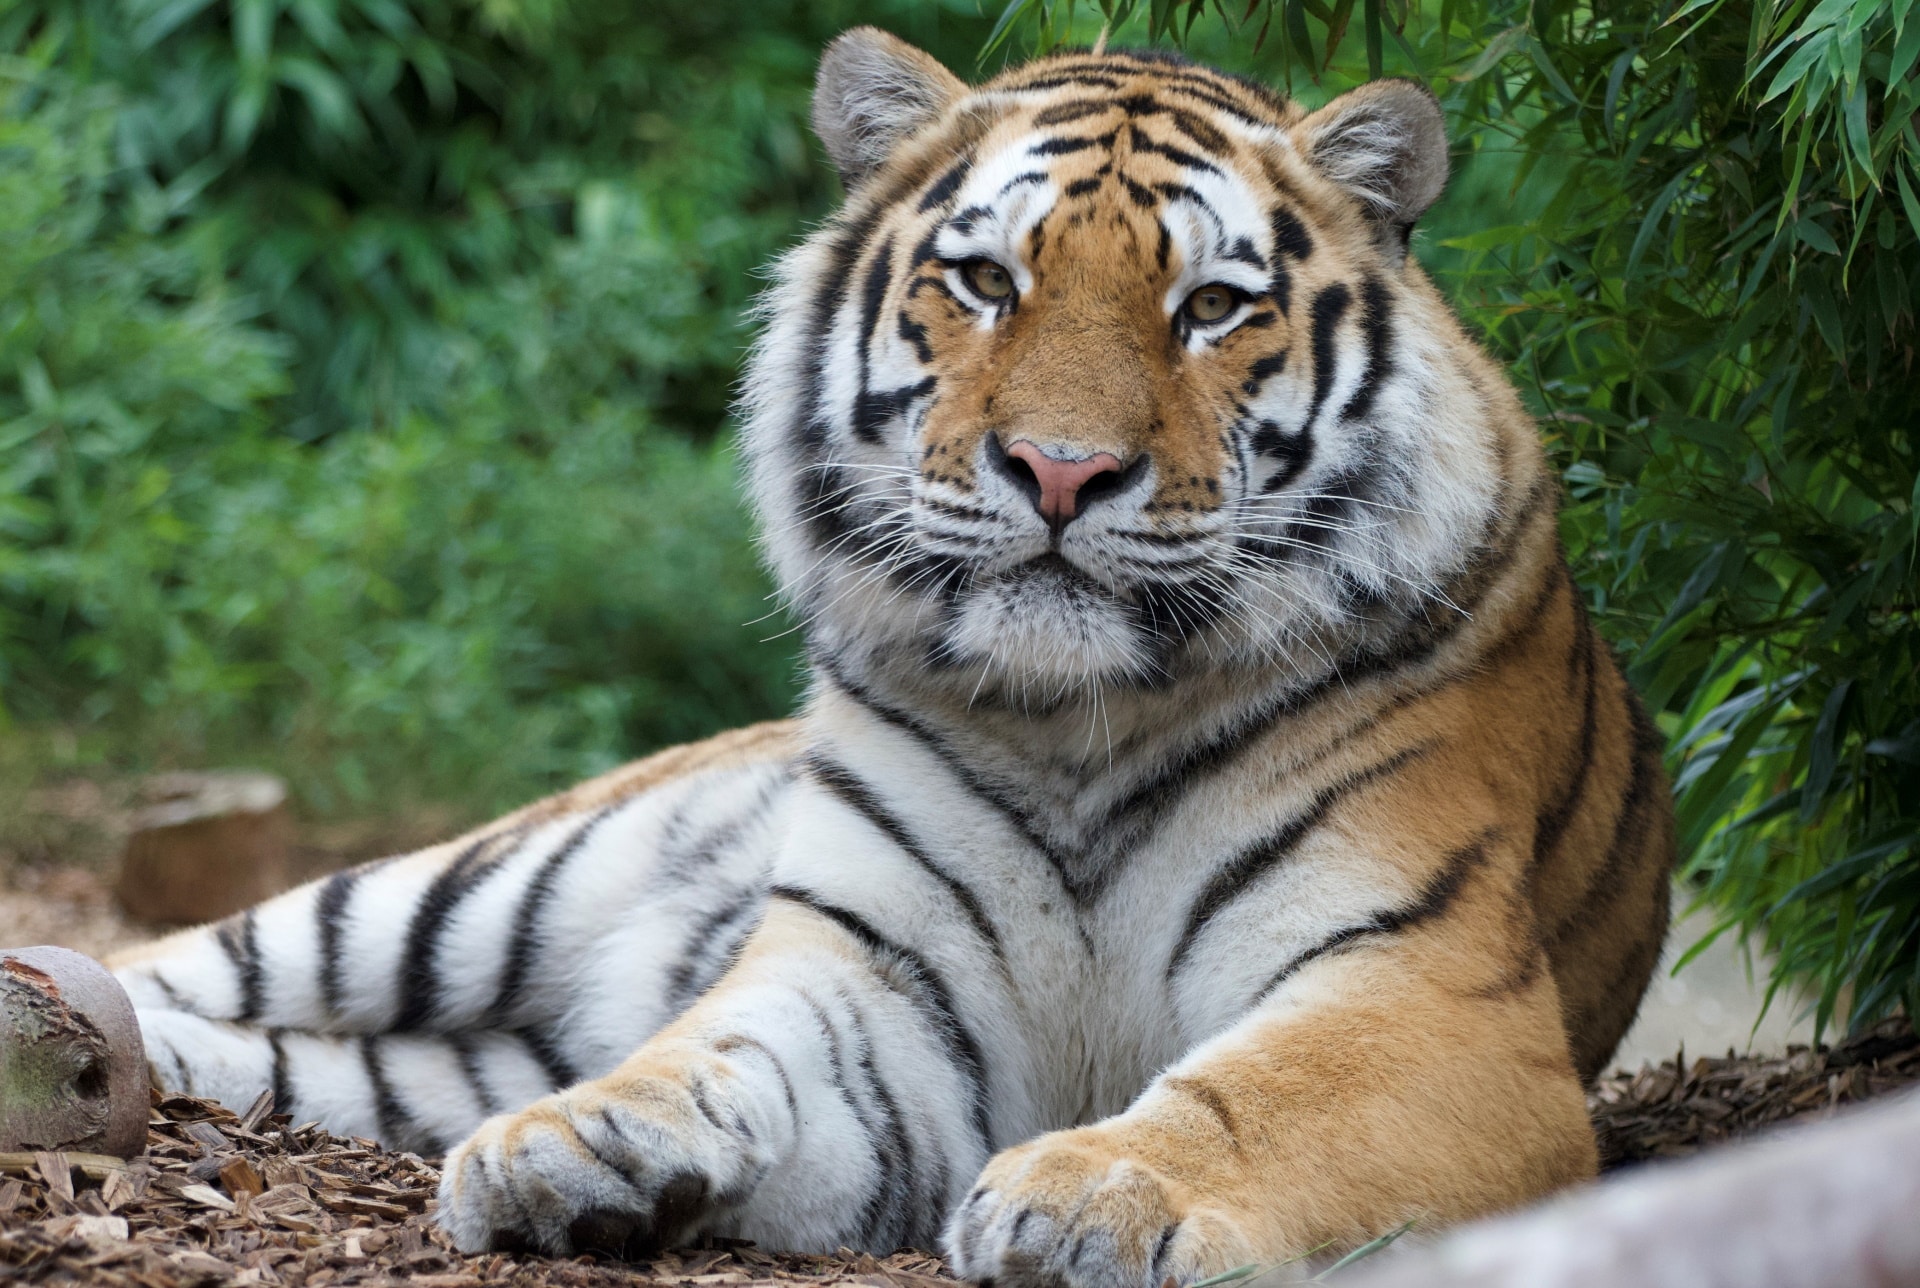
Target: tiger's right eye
(1211, 303)
(989, 279)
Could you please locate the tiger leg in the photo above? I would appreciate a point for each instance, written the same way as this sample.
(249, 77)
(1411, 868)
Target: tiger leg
(558, 939)
(417, 1091)
(1360, 1096)
(771, 1110)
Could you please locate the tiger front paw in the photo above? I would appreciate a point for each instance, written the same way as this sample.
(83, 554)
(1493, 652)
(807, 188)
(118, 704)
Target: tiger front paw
(626, 1164)
(1074, 1210)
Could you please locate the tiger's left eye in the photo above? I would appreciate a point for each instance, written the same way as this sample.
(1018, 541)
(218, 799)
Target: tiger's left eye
(992, 281)
(1211, 303)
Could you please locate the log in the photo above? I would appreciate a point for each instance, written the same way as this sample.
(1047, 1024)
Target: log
(207, 844)
(73, 1071)
(1824, 1205)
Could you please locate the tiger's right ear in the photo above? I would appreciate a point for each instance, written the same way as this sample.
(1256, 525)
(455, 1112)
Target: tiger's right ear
(872, 91)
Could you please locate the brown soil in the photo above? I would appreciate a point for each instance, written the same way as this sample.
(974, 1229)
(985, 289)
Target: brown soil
(250, 1199)
(1678, 1108)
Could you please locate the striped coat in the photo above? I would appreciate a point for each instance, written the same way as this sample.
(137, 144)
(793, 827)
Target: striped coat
(1214, 834)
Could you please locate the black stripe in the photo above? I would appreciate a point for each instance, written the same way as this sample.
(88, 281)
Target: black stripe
(946, 185)
(398, 1130)
(1243, 250)
(915, 334)
(851, 791)
(894, 1195)
(900, 1146)
(934, 998)
(1328, 307)
(1066, 113)
(1551, 823)
(821, 495)
(239, 939)
(1376, 327)
(526, 918)
(867, 422)
(1432, 900)
(174, 1000)
(836, 1054)
(1160, 1249)
(419, 986)
(1240, 873)
(330, 907)
(1322, 519)
(557, 1068)
(1187, 160)
(1293, 452)
(963, 221)
(1208, 1097)
(1066, 145)
(1175, 76)
(736, 1041)
(1604, 884)
(1199, 130)
(875, 409)
(1521, 630)
(697, 1090)
(473, 1071)
(837, 1077)
(696, 970)
(1181, 192)
(715, 843)
(1290, 236)
(1635, 972)
(978, 787)
(621, 1167)
(1057, 82)
(282, 1083)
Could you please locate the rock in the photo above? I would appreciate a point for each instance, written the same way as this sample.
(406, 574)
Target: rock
(73, 1071)
(206, 845)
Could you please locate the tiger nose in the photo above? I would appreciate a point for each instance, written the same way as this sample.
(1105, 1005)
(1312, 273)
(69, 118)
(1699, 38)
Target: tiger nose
(1060, 483)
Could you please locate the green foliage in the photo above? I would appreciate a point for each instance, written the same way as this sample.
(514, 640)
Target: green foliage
(1692, 229)
(467, 606)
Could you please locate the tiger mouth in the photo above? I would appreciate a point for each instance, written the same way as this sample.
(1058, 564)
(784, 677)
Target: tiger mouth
(1056, 568)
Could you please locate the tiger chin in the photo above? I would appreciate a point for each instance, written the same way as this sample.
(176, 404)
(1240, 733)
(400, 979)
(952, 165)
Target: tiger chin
(1214, 834)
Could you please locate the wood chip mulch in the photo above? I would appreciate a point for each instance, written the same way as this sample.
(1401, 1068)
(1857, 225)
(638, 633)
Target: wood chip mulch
(226, 1199)
(1677, 1108)
(251, 1199)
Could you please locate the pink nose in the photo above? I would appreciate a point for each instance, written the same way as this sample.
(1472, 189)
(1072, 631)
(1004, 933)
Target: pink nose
(1060, 481)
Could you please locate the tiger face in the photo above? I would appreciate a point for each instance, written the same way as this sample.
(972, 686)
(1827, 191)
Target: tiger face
(1112, 368)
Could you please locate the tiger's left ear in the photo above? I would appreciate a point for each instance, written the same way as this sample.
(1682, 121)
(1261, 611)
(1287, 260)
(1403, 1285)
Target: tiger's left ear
(1385, 143)
(871, 92)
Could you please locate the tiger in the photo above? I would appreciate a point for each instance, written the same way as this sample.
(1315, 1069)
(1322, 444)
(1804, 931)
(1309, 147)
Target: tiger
(1214, 833)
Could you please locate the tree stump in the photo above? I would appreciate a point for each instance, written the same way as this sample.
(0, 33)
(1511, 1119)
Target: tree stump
(73, 1071)
(206, 845)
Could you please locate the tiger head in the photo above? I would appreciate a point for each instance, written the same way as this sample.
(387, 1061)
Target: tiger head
(1112, 368)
